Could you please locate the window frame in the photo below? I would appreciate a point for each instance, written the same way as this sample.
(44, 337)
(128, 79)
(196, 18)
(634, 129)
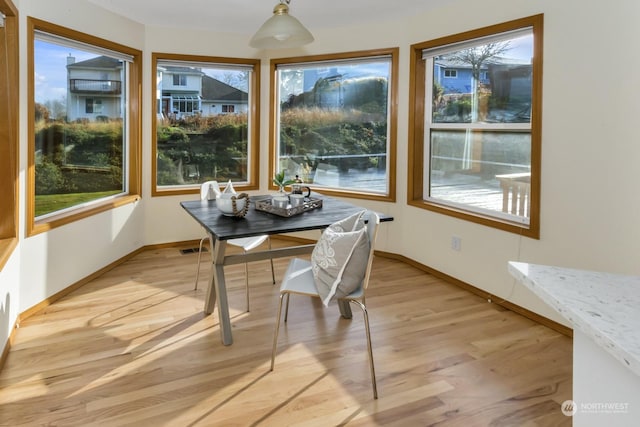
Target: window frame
(417, 144)
(392, 124)
(253, 112)
(9, 143)
(133, 141)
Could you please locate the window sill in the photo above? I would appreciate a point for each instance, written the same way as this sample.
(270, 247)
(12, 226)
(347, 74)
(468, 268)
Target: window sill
(41, 226)
(333, 192)
(6, 249)
(531, 230)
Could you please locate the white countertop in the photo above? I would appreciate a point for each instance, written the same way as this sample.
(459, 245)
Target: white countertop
(604, 306)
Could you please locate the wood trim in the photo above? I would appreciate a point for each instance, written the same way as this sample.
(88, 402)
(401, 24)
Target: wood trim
(60, 294)
(417, 72)
(484, 294)
(392, 125)
(59, 220)
(6, 249)
(254, 120)
(57, 296)
(8, 345)
(9, 122)
(135, 129)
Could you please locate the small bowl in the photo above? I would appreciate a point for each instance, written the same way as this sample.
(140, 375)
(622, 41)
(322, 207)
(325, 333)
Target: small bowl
(225, 204)
(280, 201)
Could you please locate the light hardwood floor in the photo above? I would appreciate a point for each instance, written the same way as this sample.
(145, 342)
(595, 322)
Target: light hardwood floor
(133, 347)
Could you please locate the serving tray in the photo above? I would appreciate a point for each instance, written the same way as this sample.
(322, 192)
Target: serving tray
(310, 203)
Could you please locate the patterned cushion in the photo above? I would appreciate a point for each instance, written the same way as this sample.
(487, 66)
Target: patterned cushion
(339, 259)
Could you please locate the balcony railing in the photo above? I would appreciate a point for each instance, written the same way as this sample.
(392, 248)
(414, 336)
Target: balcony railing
(105, 87)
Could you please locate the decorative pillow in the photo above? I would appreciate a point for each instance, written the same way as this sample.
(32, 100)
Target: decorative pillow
(339, 259)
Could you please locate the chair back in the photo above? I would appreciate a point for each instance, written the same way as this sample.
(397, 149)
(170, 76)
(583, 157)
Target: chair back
(206, 187)
(373, 222)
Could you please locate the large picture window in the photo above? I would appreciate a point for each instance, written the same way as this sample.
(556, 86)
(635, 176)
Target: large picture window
(475, 146)
(205, 121)
(83, 125)
(335, 122)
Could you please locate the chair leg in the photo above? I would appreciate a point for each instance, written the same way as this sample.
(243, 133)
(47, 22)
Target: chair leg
(366, 326)
(286, 310)
(246, 281)
(273, 274)
(198, 266)
(275, 335)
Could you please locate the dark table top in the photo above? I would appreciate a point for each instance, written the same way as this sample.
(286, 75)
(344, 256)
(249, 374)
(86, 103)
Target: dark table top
(256, 222)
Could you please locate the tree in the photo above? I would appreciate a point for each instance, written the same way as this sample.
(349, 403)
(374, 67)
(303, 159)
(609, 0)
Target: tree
(477, 57)
(58, 108)
(238, 80)
(42, 112)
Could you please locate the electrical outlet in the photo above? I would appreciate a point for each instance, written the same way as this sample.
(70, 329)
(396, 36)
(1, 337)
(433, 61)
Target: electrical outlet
(456, 243)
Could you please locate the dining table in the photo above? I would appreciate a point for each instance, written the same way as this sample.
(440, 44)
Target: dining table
(221, 228)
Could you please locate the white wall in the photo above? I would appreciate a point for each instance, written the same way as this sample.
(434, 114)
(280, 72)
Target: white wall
(590, 148)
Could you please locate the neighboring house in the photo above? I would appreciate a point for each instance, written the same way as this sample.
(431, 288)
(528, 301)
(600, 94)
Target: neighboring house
(180, 89)
(94, 88)
(95, 91)
(219, 98)
(503, 73)
(187, 91)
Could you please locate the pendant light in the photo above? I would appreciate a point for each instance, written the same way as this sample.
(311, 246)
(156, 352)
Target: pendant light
(281, 30)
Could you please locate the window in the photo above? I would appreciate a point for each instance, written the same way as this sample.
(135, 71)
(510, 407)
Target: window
(179, 80)
(185, 104)
(93, 106)
(451, 74)
(195, 140)
(84, 128)
(335, 122)
(475, 147)
(8, 129)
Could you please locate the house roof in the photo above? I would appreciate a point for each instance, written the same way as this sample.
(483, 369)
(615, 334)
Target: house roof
(498, 60)
(215, 90)
(98, 62)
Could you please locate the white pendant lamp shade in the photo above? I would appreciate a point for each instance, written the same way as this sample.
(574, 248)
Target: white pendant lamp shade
(281, 31)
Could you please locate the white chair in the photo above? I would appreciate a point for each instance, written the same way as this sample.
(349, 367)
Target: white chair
(299, 280)
(245, 243)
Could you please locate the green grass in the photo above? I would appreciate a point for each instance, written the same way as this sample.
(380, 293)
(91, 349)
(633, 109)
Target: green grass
(54, 202)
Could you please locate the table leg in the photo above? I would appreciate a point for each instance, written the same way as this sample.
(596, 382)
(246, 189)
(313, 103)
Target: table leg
(210, 297)
(220, 292)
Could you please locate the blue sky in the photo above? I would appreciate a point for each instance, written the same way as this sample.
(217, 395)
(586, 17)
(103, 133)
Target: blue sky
(50, 78)
(51, 72)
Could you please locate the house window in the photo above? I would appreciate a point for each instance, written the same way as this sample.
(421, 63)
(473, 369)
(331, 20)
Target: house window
(179, 80)
(194, 142)
(451, 74)
(9, 145)
(335, 122)
(93, 106)
(83, 151)
(186, 104)
(476, 154)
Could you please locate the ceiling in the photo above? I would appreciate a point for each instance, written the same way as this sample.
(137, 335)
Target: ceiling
(246, 16)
